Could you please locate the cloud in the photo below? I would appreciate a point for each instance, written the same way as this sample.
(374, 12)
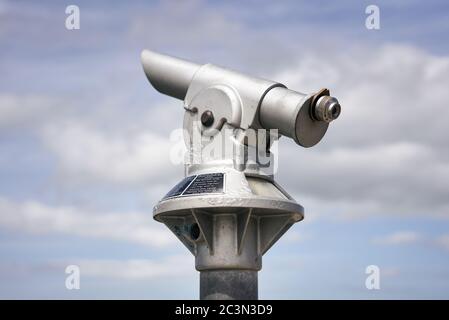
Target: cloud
(129, 269)
(90, 154)
(21, 111)
(203, 32)
(399, 238)
(106, 145)
(172, 266)
(382, 179)
(37, 218)
(412, 237)
(386, 154)
(389, 94)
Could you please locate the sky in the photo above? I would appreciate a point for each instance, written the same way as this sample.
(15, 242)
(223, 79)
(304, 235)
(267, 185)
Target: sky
(85, 143)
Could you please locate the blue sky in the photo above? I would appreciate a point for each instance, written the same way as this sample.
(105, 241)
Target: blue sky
(84, 143)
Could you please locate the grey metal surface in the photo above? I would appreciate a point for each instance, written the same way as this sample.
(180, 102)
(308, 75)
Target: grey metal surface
(289, 112)
(253, 211)
(228, 285)
(168, 75)
(240, 100)
(327, 109)
(241, 92)
(229, 211)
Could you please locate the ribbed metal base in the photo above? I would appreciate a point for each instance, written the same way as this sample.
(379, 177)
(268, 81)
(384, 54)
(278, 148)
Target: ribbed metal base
(228, 285)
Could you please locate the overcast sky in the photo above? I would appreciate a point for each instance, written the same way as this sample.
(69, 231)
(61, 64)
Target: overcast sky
(85, 140)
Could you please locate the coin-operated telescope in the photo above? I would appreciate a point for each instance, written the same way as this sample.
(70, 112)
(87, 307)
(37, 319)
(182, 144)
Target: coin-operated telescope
(228, 210)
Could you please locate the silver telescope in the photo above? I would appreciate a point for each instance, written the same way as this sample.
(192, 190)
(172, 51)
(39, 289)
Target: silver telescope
(266, 104)
(228, 210)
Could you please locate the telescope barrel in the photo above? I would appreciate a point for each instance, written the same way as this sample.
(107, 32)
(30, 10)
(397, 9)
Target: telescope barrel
(304, 118)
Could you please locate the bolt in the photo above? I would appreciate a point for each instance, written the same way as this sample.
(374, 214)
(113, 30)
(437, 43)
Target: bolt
(207, 118)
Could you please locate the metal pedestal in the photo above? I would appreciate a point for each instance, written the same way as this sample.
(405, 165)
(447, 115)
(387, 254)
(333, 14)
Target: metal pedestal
(228, 285)
(229, 232)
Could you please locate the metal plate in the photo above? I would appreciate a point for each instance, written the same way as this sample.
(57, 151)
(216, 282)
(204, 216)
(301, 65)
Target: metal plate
(206, 184)
(201, 184)
(180, 187)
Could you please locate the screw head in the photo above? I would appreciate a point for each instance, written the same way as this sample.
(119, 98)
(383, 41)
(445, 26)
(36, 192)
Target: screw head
(207, 118)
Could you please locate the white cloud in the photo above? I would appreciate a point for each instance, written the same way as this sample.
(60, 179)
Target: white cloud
(195, 22)
(387, 153)
(399, 238)
(397, 178)
(87, 153)
(107, 145)
(37, 218)
(195, 35)
(23, 110)
(172, 266)
(389, 94)
(412, 237)
(127, 269)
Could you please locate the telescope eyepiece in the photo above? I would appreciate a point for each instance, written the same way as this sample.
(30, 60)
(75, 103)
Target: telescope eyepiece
(327, 109)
